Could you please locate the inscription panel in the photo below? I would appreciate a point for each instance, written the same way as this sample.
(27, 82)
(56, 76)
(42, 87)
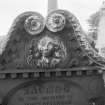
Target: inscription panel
(50, 93)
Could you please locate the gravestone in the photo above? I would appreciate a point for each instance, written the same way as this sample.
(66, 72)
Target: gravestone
(49, 62)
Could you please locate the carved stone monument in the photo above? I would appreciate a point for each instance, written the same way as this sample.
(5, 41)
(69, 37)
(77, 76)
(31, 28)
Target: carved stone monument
(50, 62)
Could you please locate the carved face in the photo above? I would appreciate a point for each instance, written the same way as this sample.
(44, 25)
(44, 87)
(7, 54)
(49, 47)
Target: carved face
(47, 52)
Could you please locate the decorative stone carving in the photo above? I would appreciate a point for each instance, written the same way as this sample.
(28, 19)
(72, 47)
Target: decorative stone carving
(63, 49)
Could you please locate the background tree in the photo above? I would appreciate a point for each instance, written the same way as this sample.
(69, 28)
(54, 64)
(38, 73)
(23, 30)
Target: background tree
(94, 23)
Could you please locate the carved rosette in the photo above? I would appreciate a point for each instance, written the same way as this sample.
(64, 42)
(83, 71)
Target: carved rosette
(55, 22)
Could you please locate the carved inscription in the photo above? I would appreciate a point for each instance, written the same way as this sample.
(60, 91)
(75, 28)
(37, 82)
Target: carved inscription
(47, 94)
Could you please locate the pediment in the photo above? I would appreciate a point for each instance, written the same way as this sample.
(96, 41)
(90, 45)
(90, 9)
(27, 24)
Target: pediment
(24, 49)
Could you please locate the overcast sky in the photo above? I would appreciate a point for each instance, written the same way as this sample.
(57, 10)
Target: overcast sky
(10, 9)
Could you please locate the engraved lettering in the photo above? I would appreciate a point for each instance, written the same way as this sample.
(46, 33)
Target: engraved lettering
(47, 94)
